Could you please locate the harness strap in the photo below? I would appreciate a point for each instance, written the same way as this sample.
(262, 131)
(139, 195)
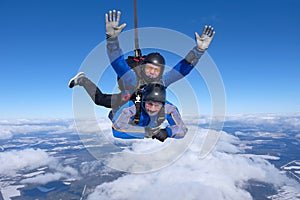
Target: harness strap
(136, 37)
(161, 116)
(137, 101)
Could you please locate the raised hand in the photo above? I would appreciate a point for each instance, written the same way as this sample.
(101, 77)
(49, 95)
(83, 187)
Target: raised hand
(205, 39)
(112, 21)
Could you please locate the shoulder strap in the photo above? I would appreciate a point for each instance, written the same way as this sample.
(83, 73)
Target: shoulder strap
(132, 62)
(161, 116)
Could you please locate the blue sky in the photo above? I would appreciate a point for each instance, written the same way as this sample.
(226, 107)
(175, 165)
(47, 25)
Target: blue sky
(43, 44)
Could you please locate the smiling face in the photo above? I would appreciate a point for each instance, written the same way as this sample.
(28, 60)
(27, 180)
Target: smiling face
(152, 70)
(153, 107)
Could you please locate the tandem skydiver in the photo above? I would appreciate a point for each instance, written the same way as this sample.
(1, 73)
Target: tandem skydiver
(150, 70)
(150, 67)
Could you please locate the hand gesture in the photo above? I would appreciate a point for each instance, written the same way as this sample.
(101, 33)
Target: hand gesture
(205, 39)
(112, 21)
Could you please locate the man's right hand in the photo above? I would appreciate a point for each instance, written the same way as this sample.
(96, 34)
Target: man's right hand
(150, 132)
(112, 21)
(161, 135)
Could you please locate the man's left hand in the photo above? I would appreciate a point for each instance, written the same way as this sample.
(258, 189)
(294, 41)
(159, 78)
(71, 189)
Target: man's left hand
(205, 39)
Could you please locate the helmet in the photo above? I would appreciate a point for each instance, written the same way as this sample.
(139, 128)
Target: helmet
(156, 59)
(154, 92)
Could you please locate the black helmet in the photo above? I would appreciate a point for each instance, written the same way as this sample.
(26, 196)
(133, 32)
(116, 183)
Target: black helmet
(156, 59)
(154, 92)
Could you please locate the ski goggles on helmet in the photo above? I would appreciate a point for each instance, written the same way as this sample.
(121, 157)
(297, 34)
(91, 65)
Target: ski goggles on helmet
(150, 67)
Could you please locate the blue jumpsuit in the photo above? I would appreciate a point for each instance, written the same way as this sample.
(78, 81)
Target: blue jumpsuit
(128, 76)
(123, 128)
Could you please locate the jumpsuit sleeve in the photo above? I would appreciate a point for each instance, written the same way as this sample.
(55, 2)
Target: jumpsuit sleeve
(176, 127)
(183, 68)
(121, 126)
(119, 64)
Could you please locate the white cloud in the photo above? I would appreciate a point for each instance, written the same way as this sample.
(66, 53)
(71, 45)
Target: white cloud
(33, 121)
(13, 161)
(61, 172)
(12, 127)
(221, 175)
(277, 120)
(269, 135)
(5, 134)
(44, 178)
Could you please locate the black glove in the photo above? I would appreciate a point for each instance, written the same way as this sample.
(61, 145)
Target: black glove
(161, 135)
(151, 131)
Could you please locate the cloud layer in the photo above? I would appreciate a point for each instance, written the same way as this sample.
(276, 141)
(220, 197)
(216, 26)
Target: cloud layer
(8, 128)
(223, 174)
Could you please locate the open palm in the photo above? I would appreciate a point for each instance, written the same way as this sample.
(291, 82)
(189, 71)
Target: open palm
(112, 21)
(205, 39)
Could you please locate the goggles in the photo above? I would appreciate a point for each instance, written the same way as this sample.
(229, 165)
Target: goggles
(156, 69)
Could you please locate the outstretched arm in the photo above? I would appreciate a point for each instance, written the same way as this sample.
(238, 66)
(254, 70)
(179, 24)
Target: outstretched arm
(112, 20)
(115, 54)
(185, 66)
(202, 44)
